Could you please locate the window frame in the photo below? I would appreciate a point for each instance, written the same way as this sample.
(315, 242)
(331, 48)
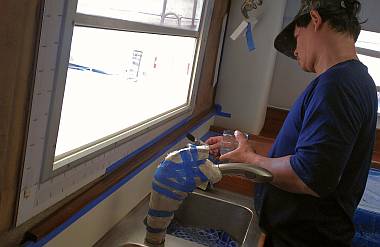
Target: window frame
(91, 150)
(41, 187)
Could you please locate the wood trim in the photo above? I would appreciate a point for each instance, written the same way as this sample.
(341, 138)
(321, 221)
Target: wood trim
(377, 145)
(274, 120)
(375, 160)
(18, 47)
(206, 91)
(237, 184)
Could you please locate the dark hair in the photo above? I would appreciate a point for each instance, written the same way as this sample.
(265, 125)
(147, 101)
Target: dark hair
(342, 15)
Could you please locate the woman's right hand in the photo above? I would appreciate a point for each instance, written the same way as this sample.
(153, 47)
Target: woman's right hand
(215, 143)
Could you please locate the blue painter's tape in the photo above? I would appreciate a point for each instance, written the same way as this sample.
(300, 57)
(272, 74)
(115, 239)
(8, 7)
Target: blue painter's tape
(159, 213)
(186, 157)
(249, 36)
(119, 163)
(219, 112)
(111, 190)
(200, 174)
(194, 153)
(182, 178)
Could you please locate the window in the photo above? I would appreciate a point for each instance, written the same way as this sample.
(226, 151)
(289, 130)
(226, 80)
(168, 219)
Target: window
(131, 64)
(110, 77)
(368, 47)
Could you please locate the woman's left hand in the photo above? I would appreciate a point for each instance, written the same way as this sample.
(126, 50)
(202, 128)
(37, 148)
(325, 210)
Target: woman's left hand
(244, 153)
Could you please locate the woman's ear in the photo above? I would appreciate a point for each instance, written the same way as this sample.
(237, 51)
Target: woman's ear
(316, 19)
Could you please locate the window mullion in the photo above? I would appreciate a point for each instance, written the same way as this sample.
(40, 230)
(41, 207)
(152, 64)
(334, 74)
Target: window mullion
(126, 25)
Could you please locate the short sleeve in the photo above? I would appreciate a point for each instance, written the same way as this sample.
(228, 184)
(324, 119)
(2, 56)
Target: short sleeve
(330, 126)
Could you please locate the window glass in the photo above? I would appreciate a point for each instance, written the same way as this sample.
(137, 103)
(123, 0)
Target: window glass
(117, 79)
(183, 13)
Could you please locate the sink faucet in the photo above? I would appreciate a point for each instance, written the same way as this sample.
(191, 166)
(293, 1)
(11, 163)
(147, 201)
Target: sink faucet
(177, 176)
(250, 171)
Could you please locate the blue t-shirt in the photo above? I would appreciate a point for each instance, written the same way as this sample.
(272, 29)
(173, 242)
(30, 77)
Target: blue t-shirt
(329, 133)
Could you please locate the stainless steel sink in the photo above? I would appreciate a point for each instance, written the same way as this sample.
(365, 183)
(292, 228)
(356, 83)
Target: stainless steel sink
(217, 209)
(209, 212)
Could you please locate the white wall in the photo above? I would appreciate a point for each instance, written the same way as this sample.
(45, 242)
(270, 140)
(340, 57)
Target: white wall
(288, 82)
(245, 77)
(288, 79)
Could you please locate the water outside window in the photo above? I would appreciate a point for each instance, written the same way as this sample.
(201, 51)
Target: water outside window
(371, 41)
(117, 79)
(183, 13)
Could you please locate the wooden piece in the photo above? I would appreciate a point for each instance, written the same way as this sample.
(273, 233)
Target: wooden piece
(274, 120)
(206, 92)
(237, 184)
(376, 150)
(18, 48)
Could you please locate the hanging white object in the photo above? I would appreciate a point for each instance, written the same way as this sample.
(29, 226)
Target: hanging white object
(239, 30)
(255, 8)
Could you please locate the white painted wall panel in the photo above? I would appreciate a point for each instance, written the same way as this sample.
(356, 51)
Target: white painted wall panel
(245, 77)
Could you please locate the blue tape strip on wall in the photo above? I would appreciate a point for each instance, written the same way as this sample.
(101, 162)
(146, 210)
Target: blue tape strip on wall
(219, 112)
(249, 35)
